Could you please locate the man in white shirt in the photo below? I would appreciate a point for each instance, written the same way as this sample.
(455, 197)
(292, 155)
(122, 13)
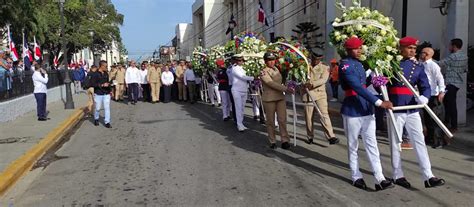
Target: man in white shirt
(190, 83)
(40, 79)
(438, 88)
(239, 90)
(132, 79)
(144, 82)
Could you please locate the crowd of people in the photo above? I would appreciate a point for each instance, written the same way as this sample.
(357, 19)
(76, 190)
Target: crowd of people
(229, 87)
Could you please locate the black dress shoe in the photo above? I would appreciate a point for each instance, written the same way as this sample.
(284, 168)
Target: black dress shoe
(333, 140)
(359, 183)
(384, 185)
(285, 145)
(108, 125)
(309, 141)
(255, 118)
(42, 119)
(226, 118)
(403, 182)
(433, 182)
(96, 122)
(262, 121)
(219, 105)
(273, 146)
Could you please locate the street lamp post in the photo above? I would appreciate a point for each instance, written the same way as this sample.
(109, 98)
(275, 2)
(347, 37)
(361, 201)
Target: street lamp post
(67, 79)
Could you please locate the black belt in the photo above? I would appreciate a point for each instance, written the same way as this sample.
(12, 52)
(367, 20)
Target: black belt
(190, 81)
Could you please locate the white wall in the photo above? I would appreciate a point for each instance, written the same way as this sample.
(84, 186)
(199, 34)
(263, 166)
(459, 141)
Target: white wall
(17, 107)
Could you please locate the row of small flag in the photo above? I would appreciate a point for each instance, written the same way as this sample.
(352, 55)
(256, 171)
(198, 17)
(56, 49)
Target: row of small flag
(27, 55)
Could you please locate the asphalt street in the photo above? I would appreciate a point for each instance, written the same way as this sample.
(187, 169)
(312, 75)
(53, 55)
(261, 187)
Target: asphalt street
(178, 154)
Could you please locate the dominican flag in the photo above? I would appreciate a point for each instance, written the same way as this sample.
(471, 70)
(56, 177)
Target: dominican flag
(37, 50)
(261, 14)
(56, 59)
(27, 56)
(13, 52)
(232, 24)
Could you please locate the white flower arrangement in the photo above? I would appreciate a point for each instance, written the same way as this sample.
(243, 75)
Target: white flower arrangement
(377, 31)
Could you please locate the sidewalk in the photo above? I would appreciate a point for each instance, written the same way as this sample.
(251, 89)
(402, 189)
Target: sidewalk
(20, 135)
(465, 135)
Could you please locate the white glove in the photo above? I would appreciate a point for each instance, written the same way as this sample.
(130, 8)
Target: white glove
(368, 73)
(422, 100)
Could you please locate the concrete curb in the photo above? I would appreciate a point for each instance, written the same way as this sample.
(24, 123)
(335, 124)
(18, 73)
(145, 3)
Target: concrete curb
(17, 168)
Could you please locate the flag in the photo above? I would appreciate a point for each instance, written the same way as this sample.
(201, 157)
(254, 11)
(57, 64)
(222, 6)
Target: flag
(261, 14)
(27, 57)
(13, 52)
(56, 59)
(232, 24)
(37, 50)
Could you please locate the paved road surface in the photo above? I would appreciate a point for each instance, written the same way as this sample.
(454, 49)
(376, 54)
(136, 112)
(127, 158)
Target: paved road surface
(183, 155)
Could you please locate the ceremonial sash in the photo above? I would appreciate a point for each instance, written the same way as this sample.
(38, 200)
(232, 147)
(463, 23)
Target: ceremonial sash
(400, 91)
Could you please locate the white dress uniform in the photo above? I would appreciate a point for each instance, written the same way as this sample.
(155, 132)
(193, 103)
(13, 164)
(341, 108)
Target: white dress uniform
(410, 119)
(239, 92)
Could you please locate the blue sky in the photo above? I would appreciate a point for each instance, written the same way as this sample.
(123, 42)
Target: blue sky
(150, 23)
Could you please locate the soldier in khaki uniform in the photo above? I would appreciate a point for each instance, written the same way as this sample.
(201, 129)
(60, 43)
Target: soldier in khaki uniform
(154, 79)
(317, 88)
(112, 73)
(274, 101)
(182, 95)
(120, 81)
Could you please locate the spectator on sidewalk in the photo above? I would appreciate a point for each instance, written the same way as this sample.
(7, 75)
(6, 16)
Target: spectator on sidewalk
(3, 70)
(132, 79)
(102, 88)
(436, 80)
(78, 76)
(90, 90)
(334, 80)
(455, 68)
(167, 79)
(40, 81)
(317, 90)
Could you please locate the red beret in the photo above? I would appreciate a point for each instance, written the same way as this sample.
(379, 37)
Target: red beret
(353, 43)
(220, 63)
(407, 41)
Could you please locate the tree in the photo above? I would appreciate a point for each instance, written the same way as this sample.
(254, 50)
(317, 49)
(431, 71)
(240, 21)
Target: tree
(41, 18)
(306, 33)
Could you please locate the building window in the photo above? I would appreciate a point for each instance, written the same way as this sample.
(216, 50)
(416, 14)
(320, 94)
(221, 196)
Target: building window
(272, 6)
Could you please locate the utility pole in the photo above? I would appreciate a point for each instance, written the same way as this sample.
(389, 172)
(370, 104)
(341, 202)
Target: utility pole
(67, 79)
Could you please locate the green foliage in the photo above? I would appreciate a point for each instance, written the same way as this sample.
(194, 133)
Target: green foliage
(41, 18)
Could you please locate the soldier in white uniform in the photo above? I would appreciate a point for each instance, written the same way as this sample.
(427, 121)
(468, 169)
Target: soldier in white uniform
(239, 90)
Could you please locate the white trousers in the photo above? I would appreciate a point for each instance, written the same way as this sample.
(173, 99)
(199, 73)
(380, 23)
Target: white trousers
(240, 98)
(414, 128)
(213, 91)
(226, 104)
(365, 126)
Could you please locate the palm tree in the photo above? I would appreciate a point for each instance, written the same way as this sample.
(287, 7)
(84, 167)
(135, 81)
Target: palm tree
(307, 34)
